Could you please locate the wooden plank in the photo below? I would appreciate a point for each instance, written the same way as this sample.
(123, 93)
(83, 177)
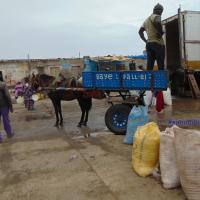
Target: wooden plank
(193, 86)
(192, 91)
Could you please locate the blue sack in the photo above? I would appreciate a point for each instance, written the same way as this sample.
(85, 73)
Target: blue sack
(137, 117)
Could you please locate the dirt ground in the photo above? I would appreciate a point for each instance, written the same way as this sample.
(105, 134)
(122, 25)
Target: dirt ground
(42, 162)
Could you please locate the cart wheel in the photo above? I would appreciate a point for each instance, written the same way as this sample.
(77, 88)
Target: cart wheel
(116, 118)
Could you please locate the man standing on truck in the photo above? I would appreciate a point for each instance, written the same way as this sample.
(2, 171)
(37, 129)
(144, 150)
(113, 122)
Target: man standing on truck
(154, 44)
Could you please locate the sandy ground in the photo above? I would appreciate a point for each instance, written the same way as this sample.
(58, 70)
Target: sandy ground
(42, 162)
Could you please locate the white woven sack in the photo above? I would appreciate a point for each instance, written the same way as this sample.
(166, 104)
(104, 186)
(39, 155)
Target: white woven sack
(167, 97)
(187, 145)
(168, 164)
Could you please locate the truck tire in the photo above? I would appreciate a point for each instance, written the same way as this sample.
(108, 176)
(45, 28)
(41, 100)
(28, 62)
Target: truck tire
(116, 118)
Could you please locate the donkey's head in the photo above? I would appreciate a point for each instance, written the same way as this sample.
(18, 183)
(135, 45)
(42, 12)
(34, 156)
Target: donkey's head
(42, 81)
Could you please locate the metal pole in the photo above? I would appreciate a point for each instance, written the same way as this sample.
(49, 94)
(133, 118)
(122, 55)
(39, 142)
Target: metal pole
(29, 64)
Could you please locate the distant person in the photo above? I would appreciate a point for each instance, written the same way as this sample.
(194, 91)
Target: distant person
(154, 44)
(19, 89)
(28, 92)
(5, 107)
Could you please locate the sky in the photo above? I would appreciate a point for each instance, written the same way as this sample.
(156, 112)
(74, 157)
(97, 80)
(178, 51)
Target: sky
(67, 28)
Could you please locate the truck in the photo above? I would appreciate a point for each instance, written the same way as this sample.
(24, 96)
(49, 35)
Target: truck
(182, 47)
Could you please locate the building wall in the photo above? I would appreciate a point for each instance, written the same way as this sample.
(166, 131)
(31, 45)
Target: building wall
(16, 70)
(13, 72)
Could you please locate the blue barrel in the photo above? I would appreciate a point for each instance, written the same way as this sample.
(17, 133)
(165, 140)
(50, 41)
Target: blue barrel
(90, 65)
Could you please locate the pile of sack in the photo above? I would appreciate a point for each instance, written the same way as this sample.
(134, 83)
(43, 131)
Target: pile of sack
(176, 150)
(139, 114)
(162, 98)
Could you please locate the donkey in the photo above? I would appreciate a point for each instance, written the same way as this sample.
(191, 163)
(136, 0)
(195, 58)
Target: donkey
(56, 95)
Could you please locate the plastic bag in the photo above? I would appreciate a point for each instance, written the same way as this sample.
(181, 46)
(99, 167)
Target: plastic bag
(167, 97)
(148, 98)
(187, 145)
(145, 154)
(153, 101)
(137, 117)
(159, 101)
(168, 164)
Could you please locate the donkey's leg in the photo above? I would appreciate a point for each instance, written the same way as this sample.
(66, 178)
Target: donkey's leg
(60, 112)
(79, 99)
(82, 118)
(87, 104)
(86, 118)
(56, 111)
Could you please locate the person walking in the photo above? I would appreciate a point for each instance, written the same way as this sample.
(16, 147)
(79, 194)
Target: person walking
(155, 47)
(5, 107)
(28, 92)
(19, 89)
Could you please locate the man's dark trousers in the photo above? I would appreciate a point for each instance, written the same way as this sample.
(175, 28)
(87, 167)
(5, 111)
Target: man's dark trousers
(156, 52)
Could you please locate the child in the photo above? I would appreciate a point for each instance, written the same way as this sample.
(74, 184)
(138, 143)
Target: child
(19, 90)
(28, 92)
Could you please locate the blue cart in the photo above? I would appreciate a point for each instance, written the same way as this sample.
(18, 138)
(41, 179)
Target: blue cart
(121, 84)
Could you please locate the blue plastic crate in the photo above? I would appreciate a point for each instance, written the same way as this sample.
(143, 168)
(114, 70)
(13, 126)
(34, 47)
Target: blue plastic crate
(136, 80)
(161, 80)
(88, 80)
(102, 80)
(145, 80)
(131, 80)
(107, 80)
